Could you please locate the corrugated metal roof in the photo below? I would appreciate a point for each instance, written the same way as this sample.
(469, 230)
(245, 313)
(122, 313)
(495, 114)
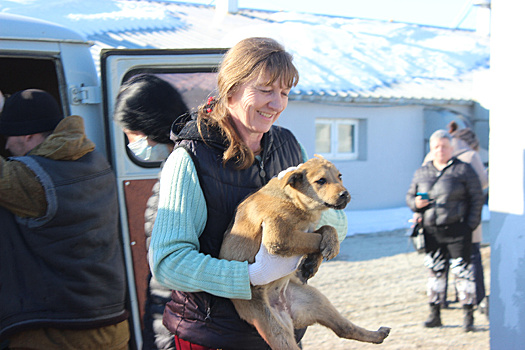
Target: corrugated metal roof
(418, 91)
(339, 59)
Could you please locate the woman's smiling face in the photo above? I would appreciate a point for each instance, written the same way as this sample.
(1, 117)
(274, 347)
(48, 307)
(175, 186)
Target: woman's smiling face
(255, 106)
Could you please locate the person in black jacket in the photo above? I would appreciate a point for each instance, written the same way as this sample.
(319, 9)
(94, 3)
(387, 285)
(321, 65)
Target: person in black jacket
(447, 192)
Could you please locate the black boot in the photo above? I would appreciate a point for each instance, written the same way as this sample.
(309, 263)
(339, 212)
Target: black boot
(434, 319)
(468, 318)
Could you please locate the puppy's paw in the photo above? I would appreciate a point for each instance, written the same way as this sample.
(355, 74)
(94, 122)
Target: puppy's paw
(309, 267)
(329, 243)
(382, 333)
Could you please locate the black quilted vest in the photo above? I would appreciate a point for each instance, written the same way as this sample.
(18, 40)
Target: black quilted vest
(66, 268)
(202, 318)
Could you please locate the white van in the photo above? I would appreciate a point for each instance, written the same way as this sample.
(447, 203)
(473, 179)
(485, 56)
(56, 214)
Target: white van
(39, 54)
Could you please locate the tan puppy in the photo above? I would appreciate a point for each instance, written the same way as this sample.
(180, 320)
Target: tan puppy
(282, 215)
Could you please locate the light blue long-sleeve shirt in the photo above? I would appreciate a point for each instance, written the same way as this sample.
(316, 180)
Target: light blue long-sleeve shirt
(174, 254)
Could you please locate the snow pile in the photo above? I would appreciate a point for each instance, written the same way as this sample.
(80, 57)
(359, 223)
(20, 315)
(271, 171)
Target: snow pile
(373, 221)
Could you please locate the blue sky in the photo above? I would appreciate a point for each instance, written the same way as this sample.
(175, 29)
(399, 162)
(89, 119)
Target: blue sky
(443, 13)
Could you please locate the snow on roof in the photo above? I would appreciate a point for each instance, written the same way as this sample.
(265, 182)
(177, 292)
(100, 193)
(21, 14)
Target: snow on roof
(35, 27)
(338, 58)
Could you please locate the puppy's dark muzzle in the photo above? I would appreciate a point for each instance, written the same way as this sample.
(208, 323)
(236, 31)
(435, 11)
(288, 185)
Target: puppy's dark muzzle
(341, 202)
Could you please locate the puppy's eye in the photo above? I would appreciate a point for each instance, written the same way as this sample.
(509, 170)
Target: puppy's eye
(340, 177)
(321, 181)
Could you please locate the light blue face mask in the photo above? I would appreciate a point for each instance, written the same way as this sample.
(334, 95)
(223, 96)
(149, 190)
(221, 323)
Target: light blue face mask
(144, 151)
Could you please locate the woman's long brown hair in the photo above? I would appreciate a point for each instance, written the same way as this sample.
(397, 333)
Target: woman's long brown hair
(250, 58)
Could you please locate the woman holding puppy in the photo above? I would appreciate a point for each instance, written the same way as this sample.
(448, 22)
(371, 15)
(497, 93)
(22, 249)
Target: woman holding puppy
(447, 192)
(223, 153)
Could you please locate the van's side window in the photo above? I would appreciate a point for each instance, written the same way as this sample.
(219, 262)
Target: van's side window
(147, 105)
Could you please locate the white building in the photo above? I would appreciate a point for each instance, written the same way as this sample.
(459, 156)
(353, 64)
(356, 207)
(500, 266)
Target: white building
(370, 93)
(507, 180)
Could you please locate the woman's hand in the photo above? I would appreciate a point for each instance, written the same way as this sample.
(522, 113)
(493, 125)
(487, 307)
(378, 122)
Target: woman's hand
(268, 267)
(421, 203)
(416, 218)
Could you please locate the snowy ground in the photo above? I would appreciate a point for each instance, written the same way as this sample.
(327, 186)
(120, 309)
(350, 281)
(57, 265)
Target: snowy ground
(373, 221)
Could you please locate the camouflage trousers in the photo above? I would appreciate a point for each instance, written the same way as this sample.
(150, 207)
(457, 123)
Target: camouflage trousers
(463, 272)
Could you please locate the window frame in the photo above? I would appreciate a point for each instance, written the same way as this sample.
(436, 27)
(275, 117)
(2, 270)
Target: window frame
(169, 75)
(334, 138)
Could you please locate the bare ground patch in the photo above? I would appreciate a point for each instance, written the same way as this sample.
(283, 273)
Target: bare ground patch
(390, 291)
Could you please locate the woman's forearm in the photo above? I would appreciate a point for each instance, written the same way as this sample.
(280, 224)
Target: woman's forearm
(174, 254)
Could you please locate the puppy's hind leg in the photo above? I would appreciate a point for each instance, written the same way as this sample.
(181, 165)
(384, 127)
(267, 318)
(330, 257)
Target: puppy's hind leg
(274, 325)
(310, 306)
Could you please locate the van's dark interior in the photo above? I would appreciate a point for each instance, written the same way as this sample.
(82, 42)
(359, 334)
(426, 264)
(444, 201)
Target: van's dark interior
(20, 73)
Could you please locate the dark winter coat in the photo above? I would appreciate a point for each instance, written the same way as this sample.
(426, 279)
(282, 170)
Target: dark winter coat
(455, 197)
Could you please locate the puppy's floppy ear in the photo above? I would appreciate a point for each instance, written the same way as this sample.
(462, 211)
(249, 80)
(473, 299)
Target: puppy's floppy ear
(294, 178)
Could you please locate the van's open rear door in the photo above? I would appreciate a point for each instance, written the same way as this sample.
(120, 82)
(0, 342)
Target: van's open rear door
(193, 73)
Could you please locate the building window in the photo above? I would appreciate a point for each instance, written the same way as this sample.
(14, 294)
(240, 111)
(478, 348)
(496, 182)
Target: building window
(337, 138)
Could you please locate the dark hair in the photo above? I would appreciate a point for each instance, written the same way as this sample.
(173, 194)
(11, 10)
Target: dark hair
(149, 104)
(465, 134)
(469, 137)
(452, 127)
